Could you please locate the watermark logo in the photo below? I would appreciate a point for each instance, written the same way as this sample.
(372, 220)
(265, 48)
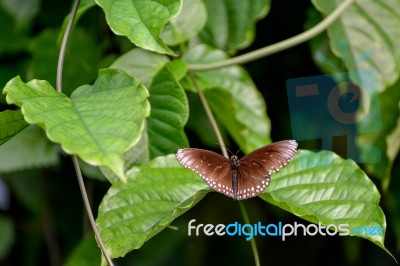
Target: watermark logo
(279, 230)
(326, 107)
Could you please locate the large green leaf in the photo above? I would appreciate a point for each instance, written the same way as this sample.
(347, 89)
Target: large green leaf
(371, 31)
(30, 148)
(187, 24)
(98, 123)
(141, 21)
(234, 99)
(11, 122)
(230, 23)
(133, 212)
(169, 113)
(322, 187)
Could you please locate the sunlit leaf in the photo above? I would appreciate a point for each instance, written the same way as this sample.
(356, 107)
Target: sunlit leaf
(141, 21)
(322, 187)
(98, 123)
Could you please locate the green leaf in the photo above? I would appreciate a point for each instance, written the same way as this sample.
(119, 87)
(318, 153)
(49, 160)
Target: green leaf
(169, 114)
(98, 123)
(30, 148)
(366, 37)
(11, 122)
(141, 64)
(7, 239)
(235, 100)
(322, 187)
(187, 24)
(141, 21)
(230, 24)
(132, 213)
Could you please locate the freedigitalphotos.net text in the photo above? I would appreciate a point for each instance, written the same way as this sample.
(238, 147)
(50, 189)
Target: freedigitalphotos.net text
(278, 229)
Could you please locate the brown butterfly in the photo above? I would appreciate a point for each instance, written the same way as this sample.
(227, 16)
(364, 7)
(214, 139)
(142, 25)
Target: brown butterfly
(239, 178)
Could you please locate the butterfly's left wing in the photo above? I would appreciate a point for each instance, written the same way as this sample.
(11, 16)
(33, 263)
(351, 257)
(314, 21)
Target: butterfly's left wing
(212, 167)
(256, 167)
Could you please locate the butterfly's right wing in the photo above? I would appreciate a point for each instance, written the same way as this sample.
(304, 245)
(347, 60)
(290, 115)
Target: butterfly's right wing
(256, 167)
(212, 167)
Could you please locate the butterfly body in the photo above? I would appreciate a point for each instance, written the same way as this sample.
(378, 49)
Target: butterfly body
(239, 178)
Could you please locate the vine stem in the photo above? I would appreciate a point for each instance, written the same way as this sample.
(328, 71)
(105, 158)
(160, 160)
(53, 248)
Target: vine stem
(209, 114)
(214, 125)
(253, 240)
(60, 65)
(279, 46)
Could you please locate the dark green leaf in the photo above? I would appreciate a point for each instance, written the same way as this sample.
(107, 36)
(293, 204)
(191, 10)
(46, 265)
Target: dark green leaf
(11, 122)
(169, 113)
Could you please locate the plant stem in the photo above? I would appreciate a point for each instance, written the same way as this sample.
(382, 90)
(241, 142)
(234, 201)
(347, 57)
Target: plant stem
(252, 241)
(280, 46)
(60, 65)
(89, 210)
(209, 115)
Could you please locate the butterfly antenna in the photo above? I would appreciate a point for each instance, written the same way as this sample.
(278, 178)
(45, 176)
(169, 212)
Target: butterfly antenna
(225, 148)
(240, 149)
